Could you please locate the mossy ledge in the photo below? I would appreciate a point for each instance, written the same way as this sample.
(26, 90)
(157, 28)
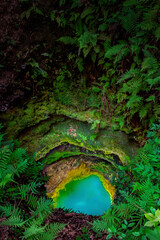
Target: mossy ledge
(42, 126)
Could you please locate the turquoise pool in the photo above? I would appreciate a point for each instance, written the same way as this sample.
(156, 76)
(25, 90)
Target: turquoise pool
(86, 195)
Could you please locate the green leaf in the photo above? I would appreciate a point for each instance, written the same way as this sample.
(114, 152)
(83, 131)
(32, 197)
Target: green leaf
(45, 54)
(86, 12)
(38, 11)
(6, 179)
(154, 81)
(33, 230)
(124, 226)
(52, 15)
(153, 219)
(154, 234)
(119, 49)
(134, 101)
(151, 98)
(136, 234)
(102, 27)
(109, 236)
(96, 89)
(13, 221)
(67, 40)
(143, 112)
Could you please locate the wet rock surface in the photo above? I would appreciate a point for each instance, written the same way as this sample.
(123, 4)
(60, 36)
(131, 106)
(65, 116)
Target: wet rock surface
(58, 171)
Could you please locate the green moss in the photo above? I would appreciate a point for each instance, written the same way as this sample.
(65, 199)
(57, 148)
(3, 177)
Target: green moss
(42, 126)
(79, 133)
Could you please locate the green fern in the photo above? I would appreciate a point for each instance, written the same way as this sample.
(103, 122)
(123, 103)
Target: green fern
(31, 200)
(44, 207)
(133, 86)
(144, 111)
(150, 63)
(111, 217)
(153, 81)
(68, 40)
(14, 216)
(23, 190)
(7, 210)
(129, 21)
(120, 50)
(33, 231)
(124, 211)
(132, 73)
(51, 231)
(5, 154)
(15, 221)
(99, 226)
(149, 19)
(135, 101)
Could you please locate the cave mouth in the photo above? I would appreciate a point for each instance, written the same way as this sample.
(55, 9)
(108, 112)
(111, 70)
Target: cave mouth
(84, 191)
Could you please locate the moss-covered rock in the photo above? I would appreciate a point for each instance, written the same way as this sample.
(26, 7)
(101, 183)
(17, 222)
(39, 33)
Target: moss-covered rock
(41, 126)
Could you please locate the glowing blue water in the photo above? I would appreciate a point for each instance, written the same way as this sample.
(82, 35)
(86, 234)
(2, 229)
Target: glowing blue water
(87, 196)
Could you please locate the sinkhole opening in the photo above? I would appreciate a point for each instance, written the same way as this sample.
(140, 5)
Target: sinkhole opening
(86, 196)
(85, 191)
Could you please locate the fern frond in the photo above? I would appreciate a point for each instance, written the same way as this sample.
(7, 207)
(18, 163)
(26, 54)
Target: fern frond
(68, 40)
(7, 210)
(129, 21)
(147, 200)
(119, 49)
(134, 101)
(111, 217)
(149, 19)
(14, 213)
(31, 200)
(52, 231)
(21, 166)
(132, 73)
(144, 110)
(153, 81)
(33, 185)
(15, 221)
(23, 190)
(130, 199)
(99, 226)
(5, 154)
(133, 86)
(33, 231)
(18, 155)
(150, 63)
(44, 206)
(124, 211)
(107, 44)
(5, 179)
(146, 193)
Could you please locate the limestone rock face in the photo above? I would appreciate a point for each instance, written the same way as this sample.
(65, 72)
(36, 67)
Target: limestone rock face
(58, 171)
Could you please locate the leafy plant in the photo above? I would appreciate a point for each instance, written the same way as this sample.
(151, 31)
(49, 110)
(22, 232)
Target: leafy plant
(140, 179)
(24, 206)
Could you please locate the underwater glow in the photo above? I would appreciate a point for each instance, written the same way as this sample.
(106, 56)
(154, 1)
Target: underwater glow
(87, 196)
(84, 191)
